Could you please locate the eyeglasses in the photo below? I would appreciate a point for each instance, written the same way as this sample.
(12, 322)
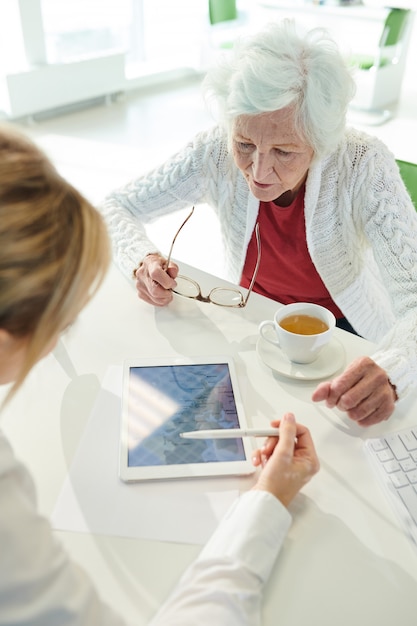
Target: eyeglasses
(222, 296)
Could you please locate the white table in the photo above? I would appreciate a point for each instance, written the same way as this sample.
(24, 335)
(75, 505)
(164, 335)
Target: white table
(346, 560)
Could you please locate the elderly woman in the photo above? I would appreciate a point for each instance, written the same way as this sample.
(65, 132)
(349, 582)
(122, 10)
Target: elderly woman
(336, 223)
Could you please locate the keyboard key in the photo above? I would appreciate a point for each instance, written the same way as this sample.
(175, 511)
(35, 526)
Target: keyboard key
(399, 479)
(409, 441)
(409, 496)
(379, 444)
(391, 466)
(407, 465)
(396, 445)
(385, 455)
(412, 476)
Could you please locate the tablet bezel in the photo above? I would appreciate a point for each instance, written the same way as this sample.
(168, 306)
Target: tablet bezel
(191, 470)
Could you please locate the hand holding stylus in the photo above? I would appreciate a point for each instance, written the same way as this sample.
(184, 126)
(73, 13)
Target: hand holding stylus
(288, 461)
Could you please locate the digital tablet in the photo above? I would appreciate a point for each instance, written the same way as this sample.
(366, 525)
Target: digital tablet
(163, 398)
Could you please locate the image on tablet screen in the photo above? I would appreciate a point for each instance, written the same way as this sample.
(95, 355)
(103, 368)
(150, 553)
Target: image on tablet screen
(167, 400)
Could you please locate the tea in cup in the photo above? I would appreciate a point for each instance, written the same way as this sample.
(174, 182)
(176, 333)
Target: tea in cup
(300, 330)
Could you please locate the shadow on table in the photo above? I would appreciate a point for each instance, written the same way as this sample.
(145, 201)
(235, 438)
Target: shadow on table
(324, 571)
(75, 413)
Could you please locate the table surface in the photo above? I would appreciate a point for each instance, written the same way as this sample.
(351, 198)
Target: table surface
(346, 559)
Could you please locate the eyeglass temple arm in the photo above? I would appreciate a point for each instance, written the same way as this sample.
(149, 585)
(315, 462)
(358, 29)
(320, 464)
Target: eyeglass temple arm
(258, 260)
(176, 235)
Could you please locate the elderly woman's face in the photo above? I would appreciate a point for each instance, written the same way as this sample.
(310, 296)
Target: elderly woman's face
(271, 155)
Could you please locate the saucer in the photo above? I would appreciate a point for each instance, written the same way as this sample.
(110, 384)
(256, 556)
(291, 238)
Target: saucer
(330, 359)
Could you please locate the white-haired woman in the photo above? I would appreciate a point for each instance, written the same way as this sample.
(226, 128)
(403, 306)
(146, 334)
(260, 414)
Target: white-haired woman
(336, 223)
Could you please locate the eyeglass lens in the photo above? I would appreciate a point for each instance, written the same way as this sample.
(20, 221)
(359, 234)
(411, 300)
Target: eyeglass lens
(221, 296)
(188, 288)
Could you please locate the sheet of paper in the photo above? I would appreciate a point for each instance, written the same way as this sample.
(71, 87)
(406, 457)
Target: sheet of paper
(94, 499)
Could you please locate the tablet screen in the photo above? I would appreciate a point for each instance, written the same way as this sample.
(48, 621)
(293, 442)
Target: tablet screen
(166, 400)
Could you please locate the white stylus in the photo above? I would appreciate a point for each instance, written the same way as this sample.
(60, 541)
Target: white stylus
(231, 433)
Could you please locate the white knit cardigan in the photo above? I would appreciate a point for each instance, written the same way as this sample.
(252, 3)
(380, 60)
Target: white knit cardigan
(361, 230)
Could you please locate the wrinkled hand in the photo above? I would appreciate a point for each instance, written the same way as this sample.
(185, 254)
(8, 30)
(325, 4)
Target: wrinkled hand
(154, 282)
(363, 391)
(289, 461)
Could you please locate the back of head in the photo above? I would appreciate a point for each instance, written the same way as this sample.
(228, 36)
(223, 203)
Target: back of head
(276, 68)
(54, 248)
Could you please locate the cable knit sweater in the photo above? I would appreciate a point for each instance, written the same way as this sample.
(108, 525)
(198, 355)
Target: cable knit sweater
(361, 230)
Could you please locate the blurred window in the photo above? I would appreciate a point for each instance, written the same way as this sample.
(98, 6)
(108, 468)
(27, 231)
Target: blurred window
(151, 32)
(12, 52)
(80, 28)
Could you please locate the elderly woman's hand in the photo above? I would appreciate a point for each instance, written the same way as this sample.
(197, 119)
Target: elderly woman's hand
(363, 391)
(154, 282)
(289, 461)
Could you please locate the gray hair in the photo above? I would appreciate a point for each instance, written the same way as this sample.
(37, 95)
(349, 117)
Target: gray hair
(276, 68)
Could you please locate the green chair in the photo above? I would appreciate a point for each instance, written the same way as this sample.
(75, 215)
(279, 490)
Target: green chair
(408, 173)
(379, 76)
(224, 20)
(222, 11)
(224, 25)
(390, 40)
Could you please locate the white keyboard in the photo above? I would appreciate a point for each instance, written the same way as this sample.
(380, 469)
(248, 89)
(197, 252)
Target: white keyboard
(394, 456)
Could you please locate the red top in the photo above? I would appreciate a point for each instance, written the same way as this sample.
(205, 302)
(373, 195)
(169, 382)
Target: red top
(286, 272)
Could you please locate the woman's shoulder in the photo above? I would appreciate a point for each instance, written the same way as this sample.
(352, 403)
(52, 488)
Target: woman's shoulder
(213, 139)
(361, 146)
(211, 149)
(210, 137)
(358, 152)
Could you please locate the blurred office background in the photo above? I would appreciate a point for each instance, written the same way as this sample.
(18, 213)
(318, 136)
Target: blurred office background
(110, 88)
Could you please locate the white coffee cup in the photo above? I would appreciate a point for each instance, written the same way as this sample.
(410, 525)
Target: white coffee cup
(301, 317)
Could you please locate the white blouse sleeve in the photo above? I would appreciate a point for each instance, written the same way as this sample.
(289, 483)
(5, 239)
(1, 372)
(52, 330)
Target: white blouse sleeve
(40, 585)
(224, 585)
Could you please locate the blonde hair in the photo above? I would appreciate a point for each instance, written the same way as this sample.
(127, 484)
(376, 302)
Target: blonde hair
(54, 248)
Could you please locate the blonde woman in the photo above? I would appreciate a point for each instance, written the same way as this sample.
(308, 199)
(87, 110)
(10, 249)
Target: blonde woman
(54, 253)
